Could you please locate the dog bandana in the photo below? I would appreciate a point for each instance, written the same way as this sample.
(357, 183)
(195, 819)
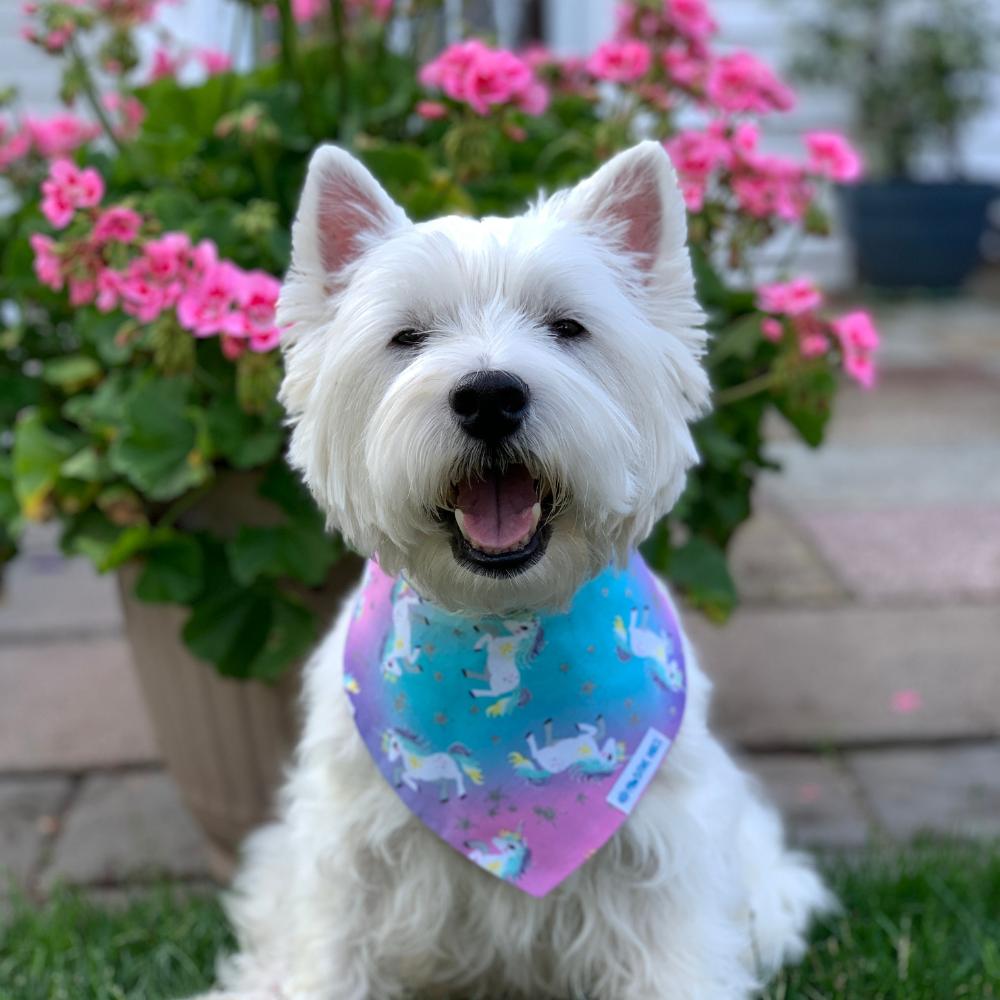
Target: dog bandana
(523, 741)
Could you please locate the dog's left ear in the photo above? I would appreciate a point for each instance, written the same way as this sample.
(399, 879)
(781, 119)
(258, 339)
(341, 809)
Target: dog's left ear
(634, 201)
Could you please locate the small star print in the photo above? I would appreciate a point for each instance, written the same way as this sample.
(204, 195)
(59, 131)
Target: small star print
(591, 649)
(429, 649)
(438, 676)
(565, 667)
(588, 687)
(441, 719)
(473, 710)
(400, 702)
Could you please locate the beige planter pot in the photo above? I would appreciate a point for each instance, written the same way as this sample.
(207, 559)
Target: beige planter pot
(225, 741)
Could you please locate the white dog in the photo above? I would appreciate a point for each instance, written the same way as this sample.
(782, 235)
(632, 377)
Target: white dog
(582, 315)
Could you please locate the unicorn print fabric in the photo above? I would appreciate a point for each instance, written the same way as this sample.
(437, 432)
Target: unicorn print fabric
(523, 741)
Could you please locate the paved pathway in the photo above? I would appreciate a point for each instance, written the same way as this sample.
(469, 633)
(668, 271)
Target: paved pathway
(860, 678)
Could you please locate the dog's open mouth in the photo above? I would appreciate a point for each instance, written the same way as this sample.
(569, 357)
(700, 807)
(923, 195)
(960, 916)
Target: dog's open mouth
(499, 520)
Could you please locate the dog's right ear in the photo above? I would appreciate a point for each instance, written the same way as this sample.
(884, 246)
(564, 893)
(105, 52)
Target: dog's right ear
(343, 211)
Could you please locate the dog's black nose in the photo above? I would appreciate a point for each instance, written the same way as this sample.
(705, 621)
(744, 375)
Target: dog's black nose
(490, 406)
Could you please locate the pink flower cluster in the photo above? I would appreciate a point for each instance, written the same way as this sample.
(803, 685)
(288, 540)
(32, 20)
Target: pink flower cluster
(622, 61)
(166, 64)
(764, 186)
(741, 82)
(483, 78)
(168, 274)
(68, 188)
(680, 32)
(797, 302)
(52, 137)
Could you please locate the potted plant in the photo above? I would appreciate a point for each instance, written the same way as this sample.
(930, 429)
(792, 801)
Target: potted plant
(141, 264)
(916, 75)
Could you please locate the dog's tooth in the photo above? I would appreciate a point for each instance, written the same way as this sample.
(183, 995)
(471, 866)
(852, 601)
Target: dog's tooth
(460, 520)
(536, 515)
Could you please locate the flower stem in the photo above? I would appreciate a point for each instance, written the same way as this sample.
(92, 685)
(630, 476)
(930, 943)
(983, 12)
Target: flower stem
(339, 63)
(94, 100)
(734, 393)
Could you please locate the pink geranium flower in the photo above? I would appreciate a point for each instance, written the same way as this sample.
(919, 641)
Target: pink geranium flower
(306, 10)
(214, 61)
(165, 66)
(117, 225)
(68, 188)
(621, 61)
(684, 66)
(256, 300)
(791, 298)
(741, 82)
(691, 18)
(431, 110)
(859, 340)
(696, 154)
(484, 78)
(206, 304)
(48, 266)
(772, 328)
(831, 155)
(60, 134)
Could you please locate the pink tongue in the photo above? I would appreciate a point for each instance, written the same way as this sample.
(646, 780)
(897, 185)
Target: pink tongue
(498, 509)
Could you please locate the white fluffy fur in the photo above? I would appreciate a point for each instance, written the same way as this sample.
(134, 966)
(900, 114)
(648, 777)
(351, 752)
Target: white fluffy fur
(347, 896)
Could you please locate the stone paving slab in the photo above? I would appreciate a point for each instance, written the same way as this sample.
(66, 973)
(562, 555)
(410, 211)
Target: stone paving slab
(126, 827)
(877, 476)
(912, 406)
(773, 562)
(951, 553)
(946, 790)
(817, 799)
(42, 594)
(29, 808)
(71, 705)
(803, 678)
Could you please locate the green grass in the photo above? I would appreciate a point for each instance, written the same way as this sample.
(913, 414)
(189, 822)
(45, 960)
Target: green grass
(922, 924)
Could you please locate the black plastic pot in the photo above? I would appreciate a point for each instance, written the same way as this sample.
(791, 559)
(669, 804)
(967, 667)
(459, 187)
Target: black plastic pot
(910, 234)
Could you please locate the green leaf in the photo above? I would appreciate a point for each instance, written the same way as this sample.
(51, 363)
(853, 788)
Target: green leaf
(71, 373)
(172, 571)
(292, 550)
(242, 439)
(807, 402)
(38, 457)
(86, 465)
(700, 569)
(105, 544)
(156, 449)
(291, 636)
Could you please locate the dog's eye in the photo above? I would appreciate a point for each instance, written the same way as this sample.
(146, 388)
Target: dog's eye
(409, 338)
(567, 329)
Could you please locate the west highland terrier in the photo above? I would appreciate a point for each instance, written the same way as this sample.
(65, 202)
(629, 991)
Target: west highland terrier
(506, 785)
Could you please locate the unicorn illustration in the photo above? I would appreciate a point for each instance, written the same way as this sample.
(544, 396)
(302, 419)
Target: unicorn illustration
(401, 655)
(506, 856)
(416, 763)
(583, 754)
(658, 648)
(507, 654)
